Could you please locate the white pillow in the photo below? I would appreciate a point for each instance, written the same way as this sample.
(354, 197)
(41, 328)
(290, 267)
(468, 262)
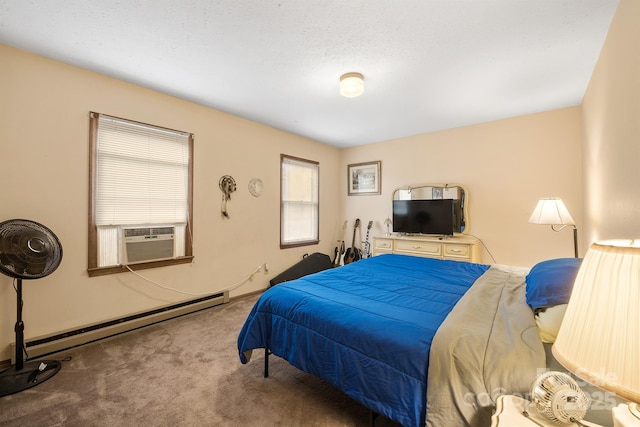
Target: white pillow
(549, 321)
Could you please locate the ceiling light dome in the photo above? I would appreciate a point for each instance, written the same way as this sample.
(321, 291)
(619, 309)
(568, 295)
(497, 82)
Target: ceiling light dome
(351, 85)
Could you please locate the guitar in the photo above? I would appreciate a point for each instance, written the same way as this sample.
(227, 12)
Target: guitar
(366, 246)
(339, 250)
(353, 253)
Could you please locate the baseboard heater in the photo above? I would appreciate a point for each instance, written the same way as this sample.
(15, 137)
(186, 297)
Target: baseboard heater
(44, 345)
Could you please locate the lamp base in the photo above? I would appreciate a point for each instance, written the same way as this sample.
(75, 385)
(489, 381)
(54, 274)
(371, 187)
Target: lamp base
(32, 373)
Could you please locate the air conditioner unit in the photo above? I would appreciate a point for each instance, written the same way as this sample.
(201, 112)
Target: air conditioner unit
(145, 244)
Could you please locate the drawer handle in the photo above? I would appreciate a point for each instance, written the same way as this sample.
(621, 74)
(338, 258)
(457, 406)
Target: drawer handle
(417, 247)
(385, 245)
(455, 250)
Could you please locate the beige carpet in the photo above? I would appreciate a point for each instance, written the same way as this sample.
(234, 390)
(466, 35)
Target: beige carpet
(181, 372)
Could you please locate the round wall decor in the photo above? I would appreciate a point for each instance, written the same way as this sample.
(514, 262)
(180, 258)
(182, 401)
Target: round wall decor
(255, 187)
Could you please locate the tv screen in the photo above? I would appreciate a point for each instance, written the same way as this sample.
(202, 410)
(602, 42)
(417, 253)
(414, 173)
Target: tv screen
(427, 216)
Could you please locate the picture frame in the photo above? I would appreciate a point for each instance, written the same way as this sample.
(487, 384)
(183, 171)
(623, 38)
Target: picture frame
(363, 179)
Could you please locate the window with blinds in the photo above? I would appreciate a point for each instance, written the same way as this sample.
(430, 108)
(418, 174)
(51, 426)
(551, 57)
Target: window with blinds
(141, 182)
(299, 201)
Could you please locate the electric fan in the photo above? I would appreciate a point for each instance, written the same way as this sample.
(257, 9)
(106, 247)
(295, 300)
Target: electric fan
(558, 397)
(28, 250)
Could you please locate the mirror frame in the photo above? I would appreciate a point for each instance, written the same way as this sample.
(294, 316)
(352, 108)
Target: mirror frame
(436, 191)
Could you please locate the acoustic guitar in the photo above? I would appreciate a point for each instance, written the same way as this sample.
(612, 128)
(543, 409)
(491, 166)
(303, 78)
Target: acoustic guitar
(353, 253)
(339, 250)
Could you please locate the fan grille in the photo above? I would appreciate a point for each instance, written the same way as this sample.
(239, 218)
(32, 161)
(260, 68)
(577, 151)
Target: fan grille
(559, 397)
(28, 250)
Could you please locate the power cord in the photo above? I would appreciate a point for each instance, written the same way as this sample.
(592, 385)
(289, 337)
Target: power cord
(485, 247)
(264, 267)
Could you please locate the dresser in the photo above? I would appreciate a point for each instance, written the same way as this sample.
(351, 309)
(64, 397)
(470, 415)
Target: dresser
(459, 247)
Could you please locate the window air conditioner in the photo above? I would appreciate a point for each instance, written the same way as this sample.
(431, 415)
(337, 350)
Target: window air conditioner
(148, 244)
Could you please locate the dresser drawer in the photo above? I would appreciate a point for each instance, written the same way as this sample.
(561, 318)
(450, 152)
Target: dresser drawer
(419, 248)
(457, 251)
(383, 245)
(455, 248)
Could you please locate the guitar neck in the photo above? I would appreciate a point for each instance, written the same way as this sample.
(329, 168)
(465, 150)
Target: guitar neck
(355, 227)
(368, 230)
(365, 245)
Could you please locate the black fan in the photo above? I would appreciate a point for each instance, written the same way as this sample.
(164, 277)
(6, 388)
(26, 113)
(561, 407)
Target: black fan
(28, 250)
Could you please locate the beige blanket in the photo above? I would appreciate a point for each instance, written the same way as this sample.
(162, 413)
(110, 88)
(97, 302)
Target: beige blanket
(487, 346)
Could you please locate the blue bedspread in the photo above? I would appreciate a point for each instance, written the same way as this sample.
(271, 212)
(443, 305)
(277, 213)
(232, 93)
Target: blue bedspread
(366, 328)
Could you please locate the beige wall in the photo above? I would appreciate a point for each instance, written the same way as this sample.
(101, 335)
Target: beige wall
(505, 166)
(611, 120)
(44, 125)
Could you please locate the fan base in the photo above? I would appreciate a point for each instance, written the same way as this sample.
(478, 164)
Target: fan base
(14, 381)
(634, 408)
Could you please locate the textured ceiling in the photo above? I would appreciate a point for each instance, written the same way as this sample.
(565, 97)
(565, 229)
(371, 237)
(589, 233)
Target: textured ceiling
(428, 64)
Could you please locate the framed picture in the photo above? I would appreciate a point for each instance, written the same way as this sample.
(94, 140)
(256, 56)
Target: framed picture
(363, 178)
(436, 193)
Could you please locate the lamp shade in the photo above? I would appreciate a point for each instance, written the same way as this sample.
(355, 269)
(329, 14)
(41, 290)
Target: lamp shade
(551, 211)
(351, 85)
(599, 339)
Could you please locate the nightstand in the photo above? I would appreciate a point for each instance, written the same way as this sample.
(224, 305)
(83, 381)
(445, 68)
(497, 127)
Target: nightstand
(622, 417)
(509, 411)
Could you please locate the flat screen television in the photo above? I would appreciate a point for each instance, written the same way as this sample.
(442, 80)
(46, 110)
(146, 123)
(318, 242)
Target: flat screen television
(441, 216)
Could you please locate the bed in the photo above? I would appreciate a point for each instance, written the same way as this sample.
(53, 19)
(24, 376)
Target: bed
(421, 341)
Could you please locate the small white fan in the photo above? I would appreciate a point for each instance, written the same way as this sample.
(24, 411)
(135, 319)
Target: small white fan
(558, 397)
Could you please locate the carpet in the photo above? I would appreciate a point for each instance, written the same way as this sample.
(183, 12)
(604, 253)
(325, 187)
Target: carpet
(181, 372)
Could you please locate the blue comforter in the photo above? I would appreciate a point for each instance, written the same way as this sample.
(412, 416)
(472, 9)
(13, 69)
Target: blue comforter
(366, 328)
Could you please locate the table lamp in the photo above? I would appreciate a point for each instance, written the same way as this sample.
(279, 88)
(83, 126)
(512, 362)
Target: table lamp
(387, 222)
(552, 211)
(599, 339)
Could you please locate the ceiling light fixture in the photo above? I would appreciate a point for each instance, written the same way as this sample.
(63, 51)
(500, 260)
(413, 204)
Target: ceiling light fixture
(351, 85)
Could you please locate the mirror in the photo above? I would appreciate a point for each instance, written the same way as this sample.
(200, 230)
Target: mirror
(435, 191)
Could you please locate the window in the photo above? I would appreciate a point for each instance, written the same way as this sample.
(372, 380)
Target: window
(140, 195)
(299, 206)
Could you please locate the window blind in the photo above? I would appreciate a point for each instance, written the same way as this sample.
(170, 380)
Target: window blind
(142, 173)
(299, 201)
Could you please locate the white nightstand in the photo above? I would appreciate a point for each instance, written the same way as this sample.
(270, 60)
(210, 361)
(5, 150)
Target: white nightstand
(509, 411)
(622, 417)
